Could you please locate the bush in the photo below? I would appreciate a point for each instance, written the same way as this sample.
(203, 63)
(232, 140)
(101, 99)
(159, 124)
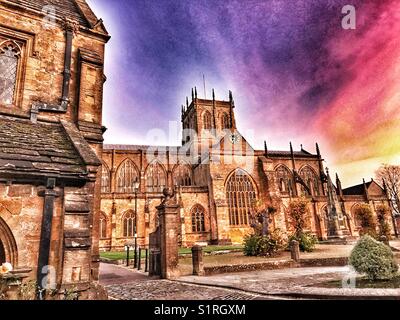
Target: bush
(374, 259)
(366, 217)
(307, 241)
(257, 245)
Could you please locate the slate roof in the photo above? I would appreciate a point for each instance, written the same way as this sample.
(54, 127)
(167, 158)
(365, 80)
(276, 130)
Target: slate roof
(356, 190)
(302, 153)
(31, 148)
(64, 8)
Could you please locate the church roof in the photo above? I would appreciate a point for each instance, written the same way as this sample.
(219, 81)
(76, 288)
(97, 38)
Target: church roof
(74, 9)
(43, 149)
(356, 190)
(301, 153)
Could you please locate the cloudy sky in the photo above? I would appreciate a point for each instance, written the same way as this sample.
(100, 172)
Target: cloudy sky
(296, 74)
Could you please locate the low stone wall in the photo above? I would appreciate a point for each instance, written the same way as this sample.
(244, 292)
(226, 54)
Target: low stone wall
(272, 265)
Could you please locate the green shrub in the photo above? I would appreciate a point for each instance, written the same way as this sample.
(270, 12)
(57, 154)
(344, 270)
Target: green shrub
(257, 245)
(307, 241)
(374, 259)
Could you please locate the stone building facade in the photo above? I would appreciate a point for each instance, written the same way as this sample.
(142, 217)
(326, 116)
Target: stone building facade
(51, 140)
(219, 179)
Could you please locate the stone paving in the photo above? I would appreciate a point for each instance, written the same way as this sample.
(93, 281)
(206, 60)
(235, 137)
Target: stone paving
(123, 283)
(296, 282)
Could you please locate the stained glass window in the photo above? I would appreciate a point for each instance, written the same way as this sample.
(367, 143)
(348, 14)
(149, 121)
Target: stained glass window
(127, 176)
(241, 197)
(155, 178)
(129, 224)
(198, 219)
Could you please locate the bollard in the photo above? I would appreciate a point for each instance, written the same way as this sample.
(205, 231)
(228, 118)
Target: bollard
(295, 250)
(146, 262)
(197, 260)
(140, 259)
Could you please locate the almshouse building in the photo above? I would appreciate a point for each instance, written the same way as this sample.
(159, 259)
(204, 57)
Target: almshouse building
(51, 140)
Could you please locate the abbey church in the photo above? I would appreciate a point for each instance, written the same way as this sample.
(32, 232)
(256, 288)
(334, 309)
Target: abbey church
(64, 195)
(220, 181)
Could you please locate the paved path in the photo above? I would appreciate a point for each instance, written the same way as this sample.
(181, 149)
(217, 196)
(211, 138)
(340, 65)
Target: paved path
(123, 283)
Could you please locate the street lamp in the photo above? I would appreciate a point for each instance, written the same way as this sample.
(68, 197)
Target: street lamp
(135, 187)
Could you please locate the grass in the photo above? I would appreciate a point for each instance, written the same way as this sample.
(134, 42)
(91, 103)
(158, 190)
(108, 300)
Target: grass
(121, 255)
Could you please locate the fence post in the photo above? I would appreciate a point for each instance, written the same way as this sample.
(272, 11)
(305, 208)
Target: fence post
(140, 259)
(146, 263)
(295, 250)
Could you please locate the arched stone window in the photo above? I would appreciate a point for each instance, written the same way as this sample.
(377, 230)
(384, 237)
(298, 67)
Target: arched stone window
(103, 225)
(105, 179)
(182, 176)
(128, 223)
(311, 180)
(207, 120)
(10, 53)
(225, 121)
(241, 197)
(156, 179)
(285, 180)
(127, 175)
(198, 224)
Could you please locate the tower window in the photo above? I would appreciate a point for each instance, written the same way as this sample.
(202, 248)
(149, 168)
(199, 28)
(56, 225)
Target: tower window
(225, 121)
(10, 54)
(207, 120)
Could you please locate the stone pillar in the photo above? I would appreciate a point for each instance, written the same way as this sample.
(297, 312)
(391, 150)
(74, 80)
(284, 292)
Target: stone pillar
(168, 213)
(295, 250)
(197, 259)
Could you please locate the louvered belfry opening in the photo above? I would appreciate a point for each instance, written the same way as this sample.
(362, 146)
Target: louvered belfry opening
(241, 197)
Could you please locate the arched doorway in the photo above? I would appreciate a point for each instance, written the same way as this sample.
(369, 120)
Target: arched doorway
(2, 253)
(8, 246)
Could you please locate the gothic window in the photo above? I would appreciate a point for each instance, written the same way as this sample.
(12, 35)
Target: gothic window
(105, 179)
(241, 197)
(225, 121)
(182, 176)
(310, 179)
(155, 178)
(207, 120)
(10, 53)
(128, 223)
(198, 224)
(103, 225)
(285, 180)
(127, 176)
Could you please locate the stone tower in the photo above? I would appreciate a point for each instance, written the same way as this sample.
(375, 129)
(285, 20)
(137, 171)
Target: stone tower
(205, 121)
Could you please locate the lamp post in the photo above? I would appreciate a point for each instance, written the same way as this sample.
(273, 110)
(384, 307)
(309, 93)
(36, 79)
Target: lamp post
(136, 187)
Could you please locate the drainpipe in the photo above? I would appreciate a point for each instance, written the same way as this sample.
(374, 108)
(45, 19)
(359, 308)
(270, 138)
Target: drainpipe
(49, 195)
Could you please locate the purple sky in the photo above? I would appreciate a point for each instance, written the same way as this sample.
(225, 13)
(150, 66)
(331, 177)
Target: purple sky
(289, 64)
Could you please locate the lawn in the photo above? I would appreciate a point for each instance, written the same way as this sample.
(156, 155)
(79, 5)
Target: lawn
(120, 255)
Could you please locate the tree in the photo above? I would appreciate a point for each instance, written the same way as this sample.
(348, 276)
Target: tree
(391, 175)
(366, 217)
(260, 219)
(383, 213)
(298, 212)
